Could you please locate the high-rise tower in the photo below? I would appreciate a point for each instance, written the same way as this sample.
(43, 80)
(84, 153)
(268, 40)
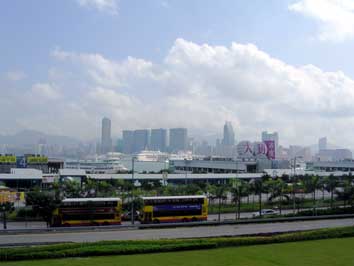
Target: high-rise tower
(106, 140)
(229, 135)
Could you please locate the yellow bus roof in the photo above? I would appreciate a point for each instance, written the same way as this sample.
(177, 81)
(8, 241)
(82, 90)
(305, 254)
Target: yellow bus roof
(90, 199)
(174, 197)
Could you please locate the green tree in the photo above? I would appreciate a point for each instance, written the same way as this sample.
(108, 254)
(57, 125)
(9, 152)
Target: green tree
(277, 189)
(6, 207)
(258, 188)
(347, 192)
(331, 183)
(220, 194)
(43, 203)
(239, 189)
(311, 184)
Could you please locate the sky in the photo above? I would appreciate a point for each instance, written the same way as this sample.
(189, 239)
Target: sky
(276, 65)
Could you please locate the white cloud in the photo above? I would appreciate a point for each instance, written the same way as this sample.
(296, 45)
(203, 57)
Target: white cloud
(15, 75)
(45, 91)
(335, 18)
(199, 87)
(108, 6)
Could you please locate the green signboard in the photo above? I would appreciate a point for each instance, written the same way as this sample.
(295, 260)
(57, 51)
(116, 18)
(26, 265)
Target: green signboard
(8, 159)
(37, 159)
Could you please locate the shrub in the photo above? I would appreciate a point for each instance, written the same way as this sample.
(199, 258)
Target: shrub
(103, 248)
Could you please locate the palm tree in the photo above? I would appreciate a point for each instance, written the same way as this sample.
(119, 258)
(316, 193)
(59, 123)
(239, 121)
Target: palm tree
(258, 188)
(311, 183)
(331, 183)
(347, 192)
(277, 188)
(220, 193)
(239, 189)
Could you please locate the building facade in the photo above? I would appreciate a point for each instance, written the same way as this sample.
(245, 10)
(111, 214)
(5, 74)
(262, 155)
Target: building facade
(178, 139)
(229, 135)
(141, 140)
(272, 137)
(106, 139)
(128, 141)
(158, 140)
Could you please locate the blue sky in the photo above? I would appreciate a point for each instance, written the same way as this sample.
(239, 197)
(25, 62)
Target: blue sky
(147, 29)
(49, 47)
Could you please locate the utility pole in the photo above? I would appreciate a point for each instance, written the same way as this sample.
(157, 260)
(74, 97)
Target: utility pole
(4, 216)
(294, 174)
(132, 204)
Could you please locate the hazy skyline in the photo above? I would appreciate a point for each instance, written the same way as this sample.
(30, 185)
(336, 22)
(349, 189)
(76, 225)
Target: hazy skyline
(263, 65)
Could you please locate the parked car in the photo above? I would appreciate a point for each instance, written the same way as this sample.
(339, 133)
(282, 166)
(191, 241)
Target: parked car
(266, 212)
(127, 216)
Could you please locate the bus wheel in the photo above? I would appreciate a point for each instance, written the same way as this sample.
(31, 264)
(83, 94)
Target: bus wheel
(105, 223)
(184, 220)
(66, 225)
(156, 221)
(95, 224)
(194, 219)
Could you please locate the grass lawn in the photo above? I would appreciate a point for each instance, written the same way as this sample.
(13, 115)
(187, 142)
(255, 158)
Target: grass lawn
(320, 252)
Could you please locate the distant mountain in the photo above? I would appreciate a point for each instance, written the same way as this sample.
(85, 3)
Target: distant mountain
(32, 137)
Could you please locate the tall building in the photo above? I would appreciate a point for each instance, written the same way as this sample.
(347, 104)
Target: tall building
(158, 140)
(274, 137)
(178, 139)
(141, 140)
(128, 141)
(106, 140)
(322, 143)
(229, 135)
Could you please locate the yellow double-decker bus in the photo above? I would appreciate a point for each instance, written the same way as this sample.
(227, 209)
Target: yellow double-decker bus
(87, 211)
(174, 209)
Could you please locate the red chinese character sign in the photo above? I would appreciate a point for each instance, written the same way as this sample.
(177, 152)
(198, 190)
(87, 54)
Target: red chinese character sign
(270, 149)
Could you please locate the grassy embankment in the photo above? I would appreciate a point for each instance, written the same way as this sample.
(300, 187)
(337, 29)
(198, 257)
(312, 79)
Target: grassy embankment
(156, 246)
(321, 252)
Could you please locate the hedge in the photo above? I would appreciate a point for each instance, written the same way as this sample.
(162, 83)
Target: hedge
(103, 248)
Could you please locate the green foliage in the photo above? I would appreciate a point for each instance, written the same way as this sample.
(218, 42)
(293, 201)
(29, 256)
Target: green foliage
(43, 203)
(151, 246)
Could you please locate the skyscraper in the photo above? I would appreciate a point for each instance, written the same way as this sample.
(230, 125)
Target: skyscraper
(229, 135)
(128, 141)
(274, 137)
(106, 140)
(158, 140)
(178, 139)
(322, 143)
(141, 139)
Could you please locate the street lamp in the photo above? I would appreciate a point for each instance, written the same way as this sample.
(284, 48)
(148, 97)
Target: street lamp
(294, 183)
(132, 203)
(4, 216)
(165, 173)
(236, 187)
(185, 172)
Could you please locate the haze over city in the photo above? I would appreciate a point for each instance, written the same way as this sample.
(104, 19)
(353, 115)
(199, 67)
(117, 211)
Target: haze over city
(281, 66)
(176, 132)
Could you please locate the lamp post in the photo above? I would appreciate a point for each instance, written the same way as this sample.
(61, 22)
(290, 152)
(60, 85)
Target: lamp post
(185, 172)
(294, 183)
(4, 216)
(165, 173)
(132, 204)
(236, 187)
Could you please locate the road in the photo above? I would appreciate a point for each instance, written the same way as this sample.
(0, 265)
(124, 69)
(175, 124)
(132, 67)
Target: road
(211, 217)
(164, 233)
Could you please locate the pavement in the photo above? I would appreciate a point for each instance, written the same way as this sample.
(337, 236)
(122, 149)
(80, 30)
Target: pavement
(167, 233)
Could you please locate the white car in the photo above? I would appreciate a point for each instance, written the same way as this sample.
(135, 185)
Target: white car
(265, 212)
